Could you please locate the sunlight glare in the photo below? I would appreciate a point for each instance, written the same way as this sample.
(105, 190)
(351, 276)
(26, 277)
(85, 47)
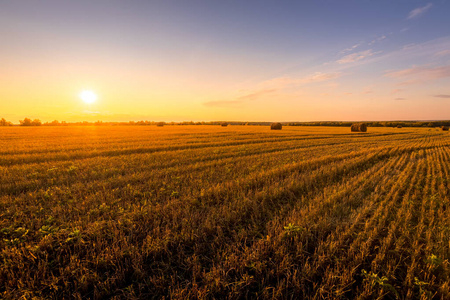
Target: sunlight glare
(88, 97)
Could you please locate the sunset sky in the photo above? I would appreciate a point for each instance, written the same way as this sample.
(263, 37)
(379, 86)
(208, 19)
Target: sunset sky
(225, 60)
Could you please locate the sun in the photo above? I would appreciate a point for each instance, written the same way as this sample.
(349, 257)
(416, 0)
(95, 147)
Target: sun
(88, 97)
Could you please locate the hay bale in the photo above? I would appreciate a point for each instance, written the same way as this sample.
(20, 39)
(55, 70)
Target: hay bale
(445, 128)
(276, 126)
(399, 126)
(359, 127)
(160, 124)
(224, 124)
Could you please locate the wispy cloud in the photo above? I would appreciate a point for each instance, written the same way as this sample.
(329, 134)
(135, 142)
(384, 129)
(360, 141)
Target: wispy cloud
(283, 82)
(436, 47)
(238, 101)
(256, 95)
(443, 53)
(420, 74)
(89, 112)
(442, 96)
(351, 48)
(409, 46)
(378, 39)
(419, 11)
(427, 51)
(395, 91)
(356, 56)
(271, 86)
(319, 76)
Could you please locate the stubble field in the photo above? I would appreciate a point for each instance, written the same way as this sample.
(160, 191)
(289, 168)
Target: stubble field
(224, 212)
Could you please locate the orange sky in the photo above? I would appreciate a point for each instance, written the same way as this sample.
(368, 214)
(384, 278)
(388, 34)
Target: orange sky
(167, 62)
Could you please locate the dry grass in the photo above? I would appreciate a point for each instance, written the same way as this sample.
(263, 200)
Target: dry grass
(193, 212)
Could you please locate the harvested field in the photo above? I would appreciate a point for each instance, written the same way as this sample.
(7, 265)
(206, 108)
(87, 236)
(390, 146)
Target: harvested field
(210, 212)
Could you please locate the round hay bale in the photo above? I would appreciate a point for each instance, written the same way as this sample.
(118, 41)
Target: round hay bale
(224, 124)
(359, 127)
(160, 124)
(276, 126)
(445, 128)
(399, 126)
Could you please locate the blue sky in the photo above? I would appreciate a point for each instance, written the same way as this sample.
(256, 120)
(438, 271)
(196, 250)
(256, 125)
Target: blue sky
(227, 60)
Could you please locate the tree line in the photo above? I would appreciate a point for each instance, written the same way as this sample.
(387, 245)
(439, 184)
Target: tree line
(37, 122)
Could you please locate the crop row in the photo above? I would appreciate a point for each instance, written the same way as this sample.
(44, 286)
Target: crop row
(212, 213)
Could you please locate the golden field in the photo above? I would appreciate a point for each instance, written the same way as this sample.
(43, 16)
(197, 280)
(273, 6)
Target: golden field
(203, 212)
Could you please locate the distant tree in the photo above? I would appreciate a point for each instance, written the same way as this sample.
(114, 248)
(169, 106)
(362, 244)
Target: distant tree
(53, 123)
(25, 122)
(3, 122)
(29, 122)
(36, 122)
